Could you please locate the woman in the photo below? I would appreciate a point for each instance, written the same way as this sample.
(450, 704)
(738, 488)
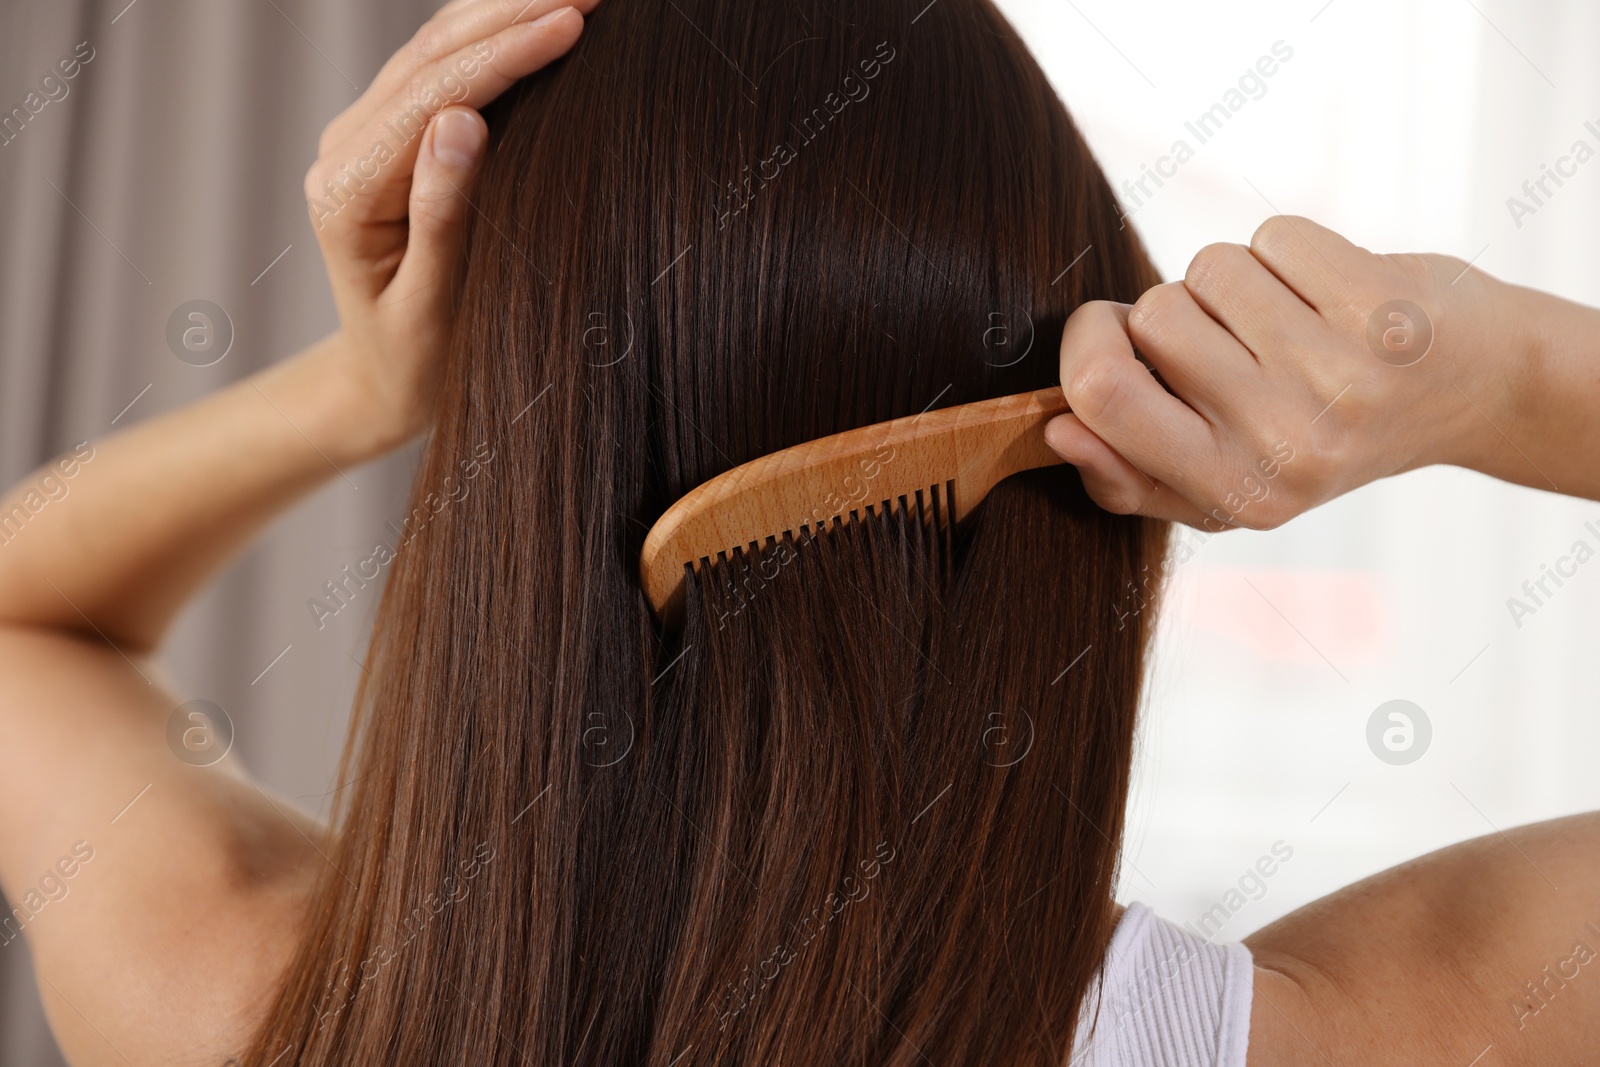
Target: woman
(866, 804)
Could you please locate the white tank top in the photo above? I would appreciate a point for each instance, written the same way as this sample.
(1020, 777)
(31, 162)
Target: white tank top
(1165, 998)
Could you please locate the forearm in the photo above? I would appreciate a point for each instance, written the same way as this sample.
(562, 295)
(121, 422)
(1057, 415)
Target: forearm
(118, 548)
(1543, 427)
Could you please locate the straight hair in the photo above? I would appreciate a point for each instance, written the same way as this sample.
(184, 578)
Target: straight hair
(865, 806)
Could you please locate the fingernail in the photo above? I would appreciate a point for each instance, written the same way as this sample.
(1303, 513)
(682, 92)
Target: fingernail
(458, 137)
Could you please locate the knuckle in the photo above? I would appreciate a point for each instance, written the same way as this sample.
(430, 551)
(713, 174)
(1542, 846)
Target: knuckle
(1353, 394)
(1213, 266)
(325, 198)
(326, 141)
(1419, 274)
(315, 180)
(1087, 320)
(1354, 403)
(1273, 236)
(1317, 465)
(434, 207)
(426, 43)
(1094, 388)
(1152, 313)
(1086, 333)
(1331, 361)
(1329, 456)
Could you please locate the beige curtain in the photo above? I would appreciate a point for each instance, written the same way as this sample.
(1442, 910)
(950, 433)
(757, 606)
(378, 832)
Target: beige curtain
(168, 169)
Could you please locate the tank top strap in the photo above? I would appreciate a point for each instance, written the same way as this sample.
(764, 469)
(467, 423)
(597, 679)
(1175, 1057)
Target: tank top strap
(1166, 997)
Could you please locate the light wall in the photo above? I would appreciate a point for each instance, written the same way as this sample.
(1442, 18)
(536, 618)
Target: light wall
(1406, 127)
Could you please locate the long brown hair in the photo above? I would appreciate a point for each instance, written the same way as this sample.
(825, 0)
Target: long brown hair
(865, 807)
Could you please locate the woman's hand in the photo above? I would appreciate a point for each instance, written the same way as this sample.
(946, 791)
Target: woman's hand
(390, 190)
(1301, 367)
(121, 557)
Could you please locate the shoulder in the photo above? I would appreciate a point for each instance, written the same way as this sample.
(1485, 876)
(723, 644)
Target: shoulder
(161, 900)
(1490, 944)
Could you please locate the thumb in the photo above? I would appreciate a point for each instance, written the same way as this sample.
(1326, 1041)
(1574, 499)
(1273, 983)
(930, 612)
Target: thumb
(1114, 483)
(451, 152)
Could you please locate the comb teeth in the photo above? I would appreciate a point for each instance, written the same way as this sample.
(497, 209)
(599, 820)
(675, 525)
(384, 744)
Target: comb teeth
(929, 510)
(934, 466)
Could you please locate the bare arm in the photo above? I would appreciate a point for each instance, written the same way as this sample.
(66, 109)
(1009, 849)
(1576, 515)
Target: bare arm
(1487, 952)
(147, 515)
(160, 506)
(160, 898)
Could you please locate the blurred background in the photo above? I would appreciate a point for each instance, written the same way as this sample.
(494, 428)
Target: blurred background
(1406, 127)
(169, 169)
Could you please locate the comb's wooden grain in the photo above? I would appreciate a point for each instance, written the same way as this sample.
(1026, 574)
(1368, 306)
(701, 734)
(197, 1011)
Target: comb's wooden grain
(965, 450)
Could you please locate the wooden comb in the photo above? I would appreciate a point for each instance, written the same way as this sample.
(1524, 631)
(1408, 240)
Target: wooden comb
(951, 457)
